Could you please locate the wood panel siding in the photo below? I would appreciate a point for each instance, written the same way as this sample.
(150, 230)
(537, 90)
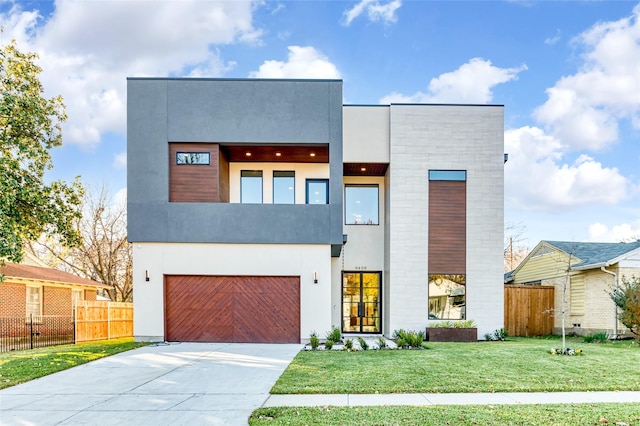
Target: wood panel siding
(576, 295)
(194, 182)
(242, 309)
(269, 153)
(528, 310)
(370, 169)
(223, 177)
(447, 227)
(543, 266)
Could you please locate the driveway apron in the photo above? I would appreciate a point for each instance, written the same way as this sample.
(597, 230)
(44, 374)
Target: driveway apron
(167, 384)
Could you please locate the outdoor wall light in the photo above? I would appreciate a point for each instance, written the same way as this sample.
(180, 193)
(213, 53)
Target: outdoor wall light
(315, 278)
(146, 275)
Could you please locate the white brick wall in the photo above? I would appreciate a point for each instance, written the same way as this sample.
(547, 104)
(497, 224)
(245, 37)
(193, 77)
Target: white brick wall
(445, 137)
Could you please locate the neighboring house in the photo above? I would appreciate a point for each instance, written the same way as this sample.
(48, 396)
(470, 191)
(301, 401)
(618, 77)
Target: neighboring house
(265, 210)
(39, 291)
(594, 269)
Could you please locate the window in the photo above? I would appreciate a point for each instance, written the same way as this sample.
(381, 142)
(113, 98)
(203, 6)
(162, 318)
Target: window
(192, 158)
(284, 187)
(76, 297)
(447, 296)
(251, 186)
(361, 205)
(34, 302)
(450, 175)
(317, 191)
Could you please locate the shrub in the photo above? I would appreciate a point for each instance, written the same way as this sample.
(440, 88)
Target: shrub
(363, 343)
(348, 345)
(454, 324)
(497, 335)
(411, 339)
(314, 340)
(627, 299)
(382, 342)
(328, 344)
(600, 337)
(335, 334)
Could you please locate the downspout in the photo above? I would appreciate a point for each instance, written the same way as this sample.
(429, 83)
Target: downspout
(615, 307)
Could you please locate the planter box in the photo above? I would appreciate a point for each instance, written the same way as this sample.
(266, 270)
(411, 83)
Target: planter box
(435, 334)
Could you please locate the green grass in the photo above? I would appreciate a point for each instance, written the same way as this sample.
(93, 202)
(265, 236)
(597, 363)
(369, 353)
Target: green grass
(22, 366)
(567, 414)
(516, 365)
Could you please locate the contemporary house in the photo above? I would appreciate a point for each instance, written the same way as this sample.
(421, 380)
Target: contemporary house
(586, 273)
(264, 210)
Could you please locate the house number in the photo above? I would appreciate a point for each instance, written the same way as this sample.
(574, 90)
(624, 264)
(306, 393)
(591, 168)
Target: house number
(361, 268)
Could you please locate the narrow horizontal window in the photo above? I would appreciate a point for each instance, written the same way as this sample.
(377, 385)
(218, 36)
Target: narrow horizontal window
(451, 175)
(193, 158)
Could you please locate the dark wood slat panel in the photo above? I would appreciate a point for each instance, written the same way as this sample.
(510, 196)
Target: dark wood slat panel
(447, 227)
(268, 153)
(370, 169)
(223, 176)
(232, 309)
(194, 182)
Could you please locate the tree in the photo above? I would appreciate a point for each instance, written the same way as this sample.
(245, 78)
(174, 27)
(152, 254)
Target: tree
(514, 251)
(627, 299)
(30, 126)
(105, 255)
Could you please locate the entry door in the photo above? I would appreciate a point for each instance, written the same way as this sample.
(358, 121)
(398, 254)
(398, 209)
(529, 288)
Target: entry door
(361, 302)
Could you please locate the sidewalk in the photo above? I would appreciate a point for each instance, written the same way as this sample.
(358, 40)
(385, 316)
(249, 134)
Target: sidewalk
(351, 400)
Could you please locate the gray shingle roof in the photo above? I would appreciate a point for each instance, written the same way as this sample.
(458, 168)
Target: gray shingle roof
(594, 253)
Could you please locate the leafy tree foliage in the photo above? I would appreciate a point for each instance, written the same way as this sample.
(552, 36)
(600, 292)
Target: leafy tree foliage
(627, 299)
(29, 129)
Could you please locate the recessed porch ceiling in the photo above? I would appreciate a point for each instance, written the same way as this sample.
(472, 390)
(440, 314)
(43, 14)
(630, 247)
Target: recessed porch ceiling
(365, 169)
(277, 153)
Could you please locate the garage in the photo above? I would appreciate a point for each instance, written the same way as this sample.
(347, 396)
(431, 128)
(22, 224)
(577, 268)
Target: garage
(241, 309)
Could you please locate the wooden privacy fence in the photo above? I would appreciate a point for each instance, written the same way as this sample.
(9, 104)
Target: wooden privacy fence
(103, 320)
(528, 310)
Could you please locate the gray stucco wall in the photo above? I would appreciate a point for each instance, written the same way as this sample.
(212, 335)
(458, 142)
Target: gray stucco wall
(270, 112)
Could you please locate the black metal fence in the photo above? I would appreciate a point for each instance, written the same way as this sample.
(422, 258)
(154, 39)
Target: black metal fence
(35, 331)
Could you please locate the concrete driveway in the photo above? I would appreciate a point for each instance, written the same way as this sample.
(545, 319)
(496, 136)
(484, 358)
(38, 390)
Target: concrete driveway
(174, 384)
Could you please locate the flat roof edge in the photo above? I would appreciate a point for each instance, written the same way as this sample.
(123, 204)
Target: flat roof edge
(235, 79)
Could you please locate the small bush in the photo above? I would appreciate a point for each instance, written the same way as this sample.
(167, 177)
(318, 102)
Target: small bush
(600, 337)
(335, 334)
(382, 342)
(411, 339)
(328, 344)
(497, 335)
(363, 343)
(314, 340)
(348, 345)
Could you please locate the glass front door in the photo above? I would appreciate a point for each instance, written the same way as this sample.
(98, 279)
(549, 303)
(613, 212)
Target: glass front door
(361, 302)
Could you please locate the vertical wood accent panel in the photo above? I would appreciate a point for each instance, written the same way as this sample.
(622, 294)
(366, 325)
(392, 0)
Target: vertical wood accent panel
(447, 227)
(223, 176)
(528, 310)
(194, 182)
(242, 309)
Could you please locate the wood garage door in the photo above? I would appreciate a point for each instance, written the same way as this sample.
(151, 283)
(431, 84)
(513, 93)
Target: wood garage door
(232, 309)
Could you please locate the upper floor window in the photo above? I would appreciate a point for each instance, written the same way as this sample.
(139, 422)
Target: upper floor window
(193, 158)
(455, 175)
(317, 191)
(284, 187)
(361, 205)
(251, 186)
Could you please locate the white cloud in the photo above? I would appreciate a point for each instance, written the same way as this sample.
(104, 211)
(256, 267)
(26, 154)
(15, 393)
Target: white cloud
(87, 50)
(584, 109)
(471, 84)
(536, 178)
(302, 62)
(376, 11)
(625, 232)
(120, 161)
(553, 40)
(120, 197)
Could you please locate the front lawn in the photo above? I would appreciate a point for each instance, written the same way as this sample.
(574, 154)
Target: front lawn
(517, 365)
(567, 414)
(22, 366)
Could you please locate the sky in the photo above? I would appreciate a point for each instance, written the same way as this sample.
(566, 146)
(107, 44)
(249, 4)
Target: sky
(568, 74)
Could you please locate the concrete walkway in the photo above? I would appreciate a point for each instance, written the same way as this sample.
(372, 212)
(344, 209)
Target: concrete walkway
(352, 400)
(181, 384)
